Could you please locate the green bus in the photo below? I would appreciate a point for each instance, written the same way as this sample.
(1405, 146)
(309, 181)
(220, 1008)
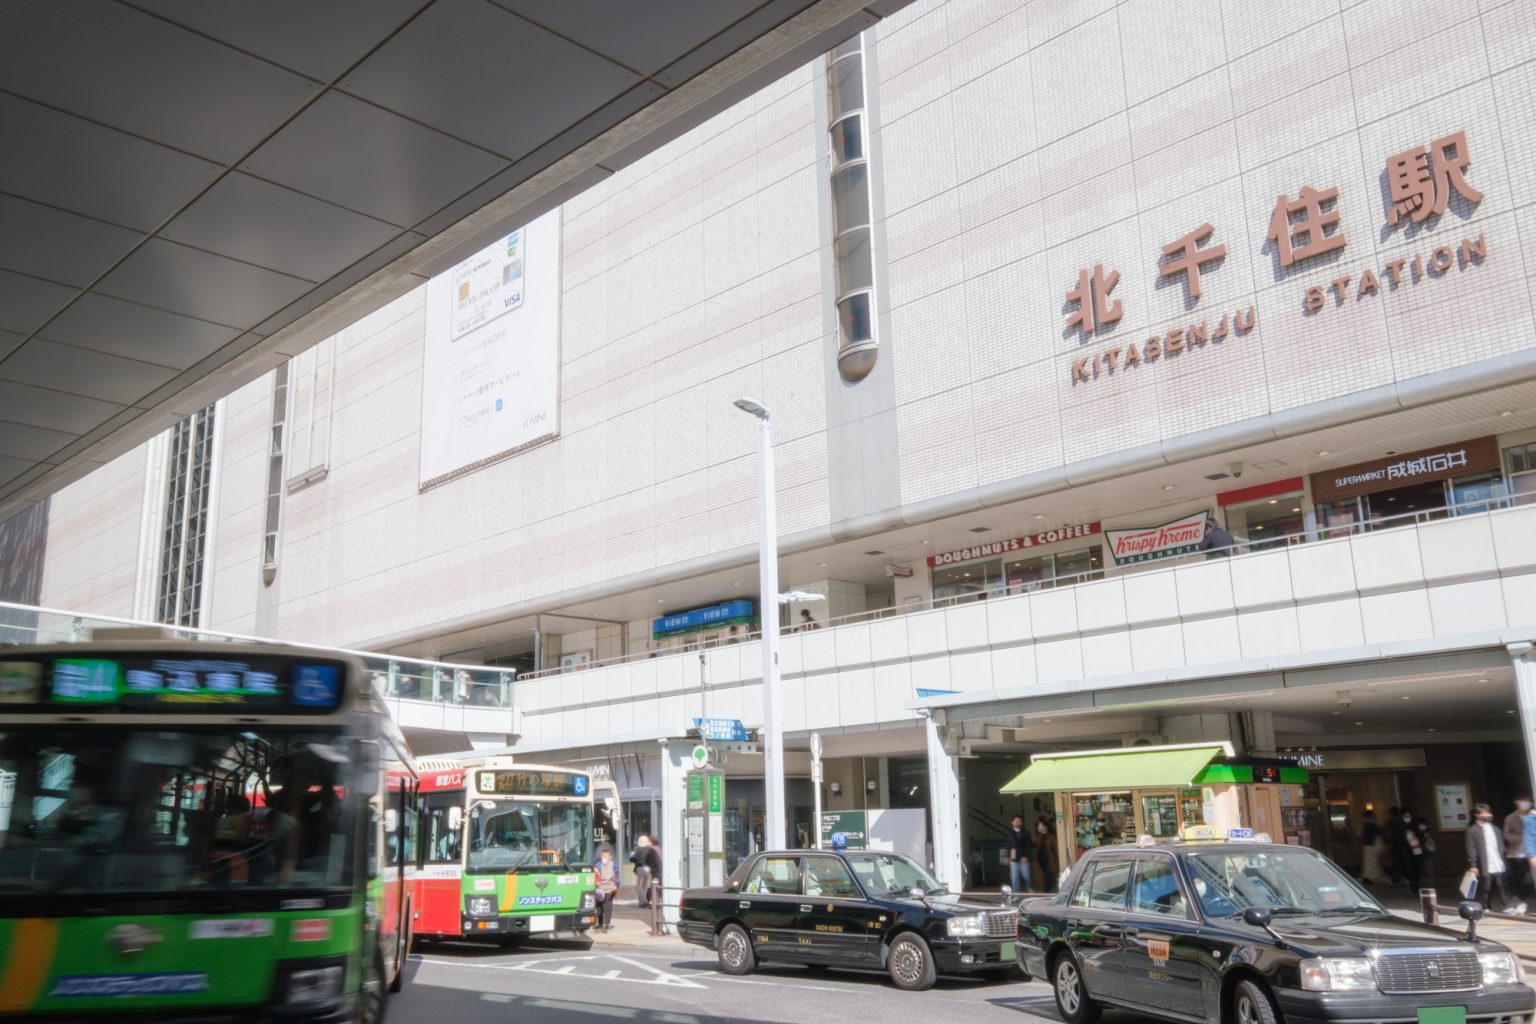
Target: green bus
(508, 851)
(199, 831)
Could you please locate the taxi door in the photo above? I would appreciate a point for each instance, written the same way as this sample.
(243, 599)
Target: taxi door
(836, 923)
(1163, 951)
(768, 904)
(1095, 918)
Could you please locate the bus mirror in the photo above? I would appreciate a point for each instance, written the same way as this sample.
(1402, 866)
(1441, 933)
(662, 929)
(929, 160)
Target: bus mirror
(455, 818)
(368, 767)
(391, 820)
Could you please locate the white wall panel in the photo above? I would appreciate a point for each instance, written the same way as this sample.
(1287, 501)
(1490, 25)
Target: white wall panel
(1261, 579)
(966, 626)
(1151, 596)
(1269, 633)
(1386, 558)
(1101, 605)
(1212, 641)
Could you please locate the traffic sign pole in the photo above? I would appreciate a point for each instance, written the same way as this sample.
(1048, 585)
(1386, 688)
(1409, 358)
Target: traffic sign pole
(816, 785)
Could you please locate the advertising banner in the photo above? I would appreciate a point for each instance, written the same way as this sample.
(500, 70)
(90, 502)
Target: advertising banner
(1146, 543)
(491, 375)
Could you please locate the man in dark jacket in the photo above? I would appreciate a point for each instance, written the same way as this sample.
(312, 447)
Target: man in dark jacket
(1218, 541)
(1019, 848)
(1485, 858)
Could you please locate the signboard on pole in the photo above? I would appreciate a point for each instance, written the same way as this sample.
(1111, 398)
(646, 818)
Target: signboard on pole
(852, 824)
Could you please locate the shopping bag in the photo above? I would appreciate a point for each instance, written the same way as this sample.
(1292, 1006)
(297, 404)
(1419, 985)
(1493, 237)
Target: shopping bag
(1468, 886)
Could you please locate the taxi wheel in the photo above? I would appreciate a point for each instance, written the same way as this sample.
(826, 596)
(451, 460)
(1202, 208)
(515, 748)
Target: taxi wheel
(1251, 1004)
(911, 963)
(1072, 999)
(736, 956)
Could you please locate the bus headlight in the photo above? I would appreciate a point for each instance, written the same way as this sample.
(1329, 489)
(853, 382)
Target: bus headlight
(311, 981)
(588, 901)
(480, 906)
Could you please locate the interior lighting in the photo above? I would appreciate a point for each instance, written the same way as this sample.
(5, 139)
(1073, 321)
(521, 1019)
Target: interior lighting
(1167, 487)
(1324, 453)
(1274, 501)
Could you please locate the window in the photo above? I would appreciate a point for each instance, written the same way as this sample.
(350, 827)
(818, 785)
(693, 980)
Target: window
(1269, 522)
(275, 475)
(188, 488)
(1157, 888)
(443, 840)
(852, 211)
(1102, 886)
(827, 876)
(774, 876)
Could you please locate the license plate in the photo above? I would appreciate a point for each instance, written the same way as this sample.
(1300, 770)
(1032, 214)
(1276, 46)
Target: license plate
(541, 923)
(1005, 952)
(1443, 1015)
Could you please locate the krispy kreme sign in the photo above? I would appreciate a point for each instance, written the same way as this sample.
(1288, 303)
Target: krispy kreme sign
(1146, 543)
(1002, 547)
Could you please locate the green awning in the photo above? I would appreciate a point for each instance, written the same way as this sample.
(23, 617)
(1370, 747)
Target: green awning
(1106, 773)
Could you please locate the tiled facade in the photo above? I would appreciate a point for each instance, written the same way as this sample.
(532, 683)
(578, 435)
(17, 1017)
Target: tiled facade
(1018, 144)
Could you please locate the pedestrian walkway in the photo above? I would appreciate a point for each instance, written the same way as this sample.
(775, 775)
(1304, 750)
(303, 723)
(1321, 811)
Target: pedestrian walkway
(632, 926)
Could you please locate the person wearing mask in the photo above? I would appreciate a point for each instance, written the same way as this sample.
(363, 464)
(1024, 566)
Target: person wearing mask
(1514, 844)
(1019, 855)
(1045, 849)
(607, 887)
(1411, 852)
(1394, 833)
(1371, 849)
(1485, 858)
(641, 860)
(1424, 869)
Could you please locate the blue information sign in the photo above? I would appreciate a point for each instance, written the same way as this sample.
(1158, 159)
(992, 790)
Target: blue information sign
(725, 730)
(702, 618)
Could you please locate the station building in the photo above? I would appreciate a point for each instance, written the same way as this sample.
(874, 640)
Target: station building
(1033, 294)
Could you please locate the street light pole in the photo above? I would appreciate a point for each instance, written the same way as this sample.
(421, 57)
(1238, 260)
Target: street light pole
(768, 612)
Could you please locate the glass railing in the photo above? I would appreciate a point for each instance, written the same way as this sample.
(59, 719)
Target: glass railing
(393, 676)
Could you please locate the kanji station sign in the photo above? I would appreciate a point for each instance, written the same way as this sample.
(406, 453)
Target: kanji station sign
(1421, 180)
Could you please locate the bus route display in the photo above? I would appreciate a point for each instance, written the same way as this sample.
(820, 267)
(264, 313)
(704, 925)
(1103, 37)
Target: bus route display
(141, 682)
(532, 783)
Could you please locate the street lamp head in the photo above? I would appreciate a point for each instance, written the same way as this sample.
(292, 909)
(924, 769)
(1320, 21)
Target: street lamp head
(751, 405)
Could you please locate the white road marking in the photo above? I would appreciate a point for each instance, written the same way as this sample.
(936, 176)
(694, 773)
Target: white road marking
(563, 966)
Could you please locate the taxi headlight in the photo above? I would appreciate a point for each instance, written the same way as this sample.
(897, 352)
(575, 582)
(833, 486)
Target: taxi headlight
(1499, 968)
(1337, 974)
(480, 906)
(966, 925)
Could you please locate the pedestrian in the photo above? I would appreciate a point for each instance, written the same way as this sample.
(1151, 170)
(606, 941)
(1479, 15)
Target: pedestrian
(1528, 848)
(641, 860)
(653, 860)
(607, 887)
(1045, 849)
(1411, 853)
(1485, 858)
(1019, 852)
(735, 635)
(1514, 847)
(1217, 542)
(806, 622)
(1372, 846)
(1425, 867)
(1394, 833)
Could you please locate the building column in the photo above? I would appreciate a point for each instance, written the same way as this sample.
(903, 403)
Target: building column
(1261, 732)
(1523, 657)
(676, 758)
(944, 801)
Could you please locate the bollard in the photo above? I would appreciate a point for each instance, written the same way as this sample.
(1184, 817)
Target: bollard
(655, 902)
(1429, 903)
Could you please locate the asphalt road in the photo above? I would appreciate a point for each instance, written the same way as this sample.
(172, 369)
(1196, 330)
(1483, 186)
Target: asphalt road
(450, 984)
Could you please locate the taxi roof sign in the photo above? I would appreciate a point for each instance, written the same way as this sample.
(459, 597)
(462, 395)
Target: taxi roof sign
(1202, 834)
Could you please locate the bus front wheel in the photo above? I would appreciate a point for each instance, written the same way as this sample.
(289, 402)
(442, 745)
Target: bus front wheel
(370, 1003)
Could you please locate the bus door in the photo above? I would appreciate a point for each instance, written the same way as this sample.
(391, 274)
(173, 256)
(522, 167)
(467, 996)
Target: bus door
(438, 902)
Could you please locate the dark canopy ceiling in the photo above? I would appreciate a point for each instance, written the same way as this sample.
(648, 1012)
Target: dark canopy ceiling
(191, 192)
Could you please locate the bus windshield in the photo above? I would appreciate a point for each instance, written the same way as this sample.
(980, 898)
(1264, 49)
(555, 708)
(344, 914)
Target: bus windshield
(106, 809)
(528, 835)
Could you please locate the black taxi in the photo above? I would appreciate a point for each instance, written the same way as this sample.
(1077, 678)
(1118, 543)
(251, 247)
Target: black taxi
(853, 908)
(1244, 931)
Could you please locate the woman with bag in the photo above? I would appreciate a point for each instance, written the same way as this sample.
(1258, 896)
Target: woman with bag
(607, 887)
(1425, 868)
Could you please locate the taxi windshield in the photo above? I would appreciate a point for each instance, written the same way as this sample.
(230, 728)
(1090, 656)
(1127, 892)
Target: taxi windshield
(1228, 881)
(882, 874)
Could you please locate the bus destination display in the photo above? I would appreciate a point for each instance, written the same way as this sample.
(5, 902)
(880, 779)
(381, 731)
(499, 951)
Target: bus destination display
(530, 783)
(143, 682)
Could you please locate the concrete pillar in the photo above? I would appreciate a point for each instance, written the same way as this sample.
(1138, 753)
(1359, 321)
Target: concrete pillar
(676, 758)
(842, 599)
(1261, 732)
(1524, 659)
(944, 801)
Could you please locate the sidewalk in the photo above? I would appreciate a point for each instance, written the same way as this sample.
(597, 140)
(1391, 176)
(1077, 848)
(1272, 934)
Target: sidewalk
(1516, 932)
(632, 927)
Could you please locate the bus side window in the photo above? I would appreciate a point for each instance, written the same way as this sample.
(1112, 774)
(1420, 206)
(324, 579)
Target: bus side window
(373, 840)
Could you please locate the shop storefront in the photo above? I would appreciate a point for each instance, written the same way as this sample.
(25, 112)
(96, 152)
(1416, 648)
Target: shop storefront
(1428, 483)
(1018, 564)
(1110, 797)
(1267, 515)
